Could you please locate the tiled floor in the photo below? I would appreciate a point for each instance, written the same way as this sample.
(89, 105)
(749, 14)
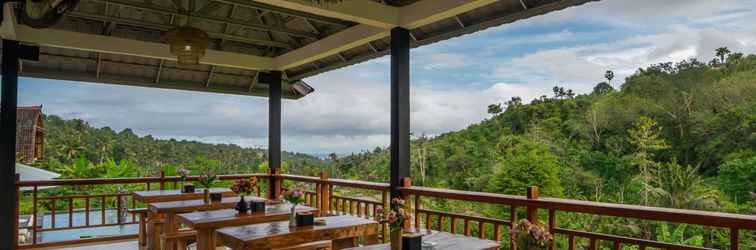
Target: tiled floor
(123, 245)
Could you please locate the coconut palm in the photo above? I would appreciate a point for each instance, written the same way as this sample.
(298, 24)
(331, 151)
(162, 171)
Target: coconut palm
(682, 187)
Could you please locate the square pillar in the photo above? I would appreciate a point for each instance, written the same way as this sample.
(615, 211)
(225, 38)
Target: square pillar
(274, 131)
(8, 105)
(400, 108)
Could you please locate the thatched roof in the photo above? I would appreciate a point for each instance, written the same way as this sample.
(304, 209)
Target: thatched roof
(120, 41)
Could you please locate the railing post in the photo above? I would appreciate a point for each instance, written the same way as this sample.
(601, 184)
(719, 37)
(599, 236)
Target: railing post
(417, 208)
(325, 196)
(734, 238)
(162, 180)
(552, 225)
(532, 211)
(34, 215)
(16, 213)
(406, 182)
(274, 185)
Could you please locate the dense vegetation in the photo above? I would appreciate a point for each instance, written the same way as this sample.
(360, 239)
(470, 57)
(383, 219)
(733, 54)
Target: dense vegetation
(78, 150)
(679, 135)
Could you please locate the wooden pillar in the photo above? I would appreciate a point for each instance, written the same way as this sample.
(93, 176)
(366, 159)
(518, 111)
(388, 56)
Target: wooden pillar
(12, 52)
(400, 108)
(273, 79)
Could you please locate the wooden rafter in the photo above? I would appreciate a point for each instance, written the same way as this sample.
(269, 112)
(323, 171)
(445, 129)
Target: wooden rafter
(194, 15)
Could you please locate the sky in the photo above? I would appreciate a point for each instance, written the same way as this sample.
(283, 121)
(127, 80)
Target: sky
(452, 82)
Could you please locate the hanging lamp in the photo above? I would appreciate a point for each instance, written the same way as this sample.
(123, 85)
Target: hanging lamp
(188, 44)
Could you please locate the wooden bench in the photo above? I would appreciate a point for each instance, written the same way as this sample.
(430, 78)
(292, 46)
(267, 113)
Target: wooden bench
(142, 214)
(182, 238)
(319, 245)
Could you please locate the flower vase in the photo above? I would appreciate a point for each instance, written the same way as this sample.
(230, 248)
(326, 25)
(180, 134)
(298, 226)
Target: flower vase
(206, 196)
(241, 206)
(293, 216)
(396, 239)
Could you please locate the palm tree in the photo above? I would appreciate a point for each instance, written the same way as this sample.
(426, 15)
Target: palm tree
(495, 109)
(721, 53)
(609, 75)
(682, 187)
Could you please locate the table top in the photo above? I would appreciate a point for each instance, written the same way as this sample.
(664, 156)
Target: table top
(197, 205)
(230, 217)
(175, 195)
(279, 234)
(444, 241)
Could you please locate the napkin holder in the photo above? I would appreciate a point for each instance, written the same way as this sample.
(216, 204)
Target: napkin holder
(305, 219)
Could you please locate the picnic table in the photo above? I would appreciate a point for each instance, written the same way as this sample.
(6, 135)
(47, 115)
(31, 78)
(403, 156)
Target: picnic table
(153, 241)
(207, 222)
(341, 230)
(169, 210)
(444, 241)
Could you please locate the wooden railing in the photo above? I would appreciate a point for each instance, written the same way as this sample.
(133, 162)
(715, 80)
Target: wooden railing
(338, 196)
(95, 204)
(532, 203)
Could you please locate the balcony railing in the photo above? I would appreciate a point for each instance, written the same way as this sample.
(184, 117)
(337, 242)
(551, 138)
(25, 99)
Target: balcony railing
(361, 198)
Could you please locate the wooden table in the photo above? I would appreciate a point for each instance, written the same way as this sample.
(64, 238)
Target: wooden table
(205, 223)
(342, 230)
(153, 233)
(169, 210)
(175, 195)
(445, 241)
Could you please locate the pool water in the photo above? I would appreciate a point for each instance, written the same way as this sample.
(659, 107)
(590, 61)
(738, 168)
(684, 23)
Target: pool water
(79, 219)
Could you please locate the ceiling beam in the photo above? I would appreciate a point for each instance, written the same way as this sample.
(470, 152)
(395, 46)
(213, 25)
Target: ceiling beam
(412, 16)
(360, 11)
(425, 12)
(347, 39)
(8, 27)
(122, 46)
(289, 12)
(241, 23)
(166, 27)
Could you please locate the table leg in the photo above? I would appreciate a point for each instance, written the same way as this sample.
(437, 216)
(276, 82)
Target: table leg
(205, 239)
(154, 229)
(344, 243)
(169, 226)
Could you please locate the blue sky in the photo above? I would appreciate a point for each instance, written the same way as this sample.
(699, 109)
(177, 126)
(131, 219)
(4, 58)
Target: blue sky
(452, 81)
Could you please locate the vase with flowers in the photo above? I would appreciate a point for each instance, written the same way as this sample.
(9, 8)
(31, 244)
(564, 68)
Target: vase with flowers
(183, 174)
(531, 236)
(395, 217)
(242, 187)
(206, 180)
(295, 196)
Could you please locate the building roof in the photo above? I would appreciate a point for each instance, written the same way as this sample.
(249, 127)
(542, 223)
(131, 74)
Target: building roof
(121, 41)
(29, 173)
(28, 117)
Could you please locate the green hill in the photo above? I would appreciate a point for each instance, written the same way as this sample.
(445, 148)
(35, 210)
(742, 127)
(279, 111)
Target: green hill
(76, 149)
(693, 120)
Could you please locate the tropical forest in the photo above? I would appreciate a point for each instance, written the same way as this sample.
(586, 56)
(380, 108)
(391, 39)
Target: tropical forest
(676, 135)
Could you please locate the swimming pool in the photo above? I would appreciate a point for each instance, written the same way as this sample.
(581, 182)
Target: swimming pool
(79, 219)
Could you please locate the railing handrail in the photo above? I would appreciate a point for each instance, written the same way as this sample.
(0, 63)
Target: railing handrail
(125, 180)
(707, 218)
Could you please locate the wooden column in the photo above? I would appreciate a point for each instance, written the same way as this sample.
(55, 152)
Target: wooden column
(12, 52)
(400, 108)
(273, 79)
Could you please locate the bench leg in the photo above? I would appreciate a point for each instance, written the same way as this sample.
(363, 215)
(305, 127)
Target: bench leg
(142, 231)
